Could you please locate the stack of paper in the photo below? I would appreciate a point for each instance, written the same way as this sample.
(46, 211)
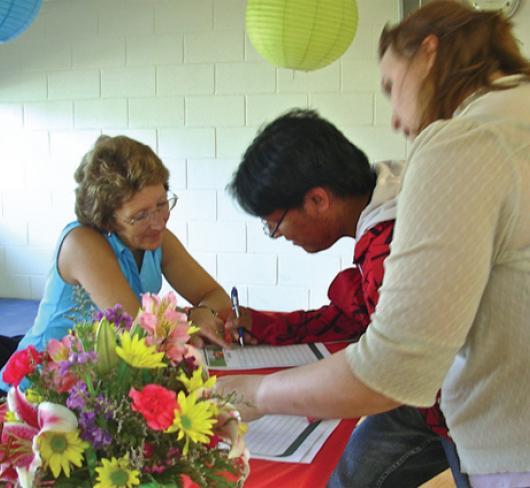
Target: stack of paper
(287, 438)
(277, 437)
(255, 357)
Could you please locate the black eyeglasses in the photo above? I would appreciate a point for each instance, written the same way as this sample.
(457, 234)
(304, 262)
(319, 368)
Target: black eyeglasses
(267, 229)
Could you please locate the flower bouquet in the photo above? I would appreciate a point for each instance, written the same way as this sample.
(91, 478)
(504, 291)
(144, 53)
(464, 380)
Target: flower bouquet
(119, 403)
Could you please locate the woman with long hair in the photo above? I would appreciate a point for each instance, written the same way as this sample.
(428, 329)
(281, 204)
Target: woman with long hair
(454, 306)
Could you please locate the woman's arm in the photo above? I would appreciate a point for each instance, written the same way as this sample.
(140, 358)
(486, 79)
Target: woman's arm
(86, 259)
(325, 389)
(192, 282)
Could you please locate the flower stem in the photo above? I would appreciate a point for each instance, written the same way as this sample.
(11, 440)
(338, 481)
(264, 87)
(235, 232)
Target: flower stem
(90, 385)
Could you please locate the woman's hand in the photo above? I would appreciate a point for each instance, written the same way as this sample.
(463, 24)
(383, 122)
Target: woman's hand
(233, 324)
(212, 327)
(246, 386)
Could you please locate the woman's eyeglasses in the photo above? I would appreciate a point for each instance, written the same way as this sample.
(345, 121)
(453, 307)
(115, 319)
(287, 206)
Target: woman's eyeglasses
(146, 216)
(267, 228)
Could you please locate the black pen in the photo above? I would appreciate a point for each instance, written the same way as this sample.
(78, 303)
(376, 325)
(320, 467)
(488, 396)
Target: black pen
(234, 298)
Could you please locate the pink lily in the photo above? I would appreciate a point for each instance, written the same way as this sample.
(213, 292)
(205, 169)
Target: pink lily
(166, 327)
(150, 302)
(59, 351)
(7, 472)
(22, 435)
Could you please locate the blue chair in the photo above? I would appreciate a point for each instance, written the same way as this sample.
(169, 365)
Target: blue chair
(16, 317)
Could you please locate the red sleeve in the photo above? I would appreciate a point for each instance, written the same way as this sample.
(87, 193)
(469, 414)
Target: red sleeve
(370, 253)
(353, 295)
(345, 318)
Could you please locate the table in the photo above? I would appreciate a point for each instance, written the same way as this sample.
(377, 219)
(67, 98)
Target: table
(271, 474)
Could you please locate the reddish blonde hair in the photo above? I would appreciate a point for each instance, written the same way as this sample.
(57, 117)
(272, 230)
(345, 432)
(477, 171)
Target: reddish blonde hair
(112, 172)
(472, 47)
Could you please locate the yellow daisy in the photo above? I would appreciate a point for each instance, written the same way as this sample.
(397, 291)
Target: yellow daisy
(137, 353)
(59, 449)
(196, 382)
(193, 420)
(116, 474)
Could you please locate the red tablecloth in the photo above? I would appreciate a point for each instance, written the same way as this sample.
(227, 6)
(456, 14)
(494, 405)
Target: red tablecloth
(270, 474)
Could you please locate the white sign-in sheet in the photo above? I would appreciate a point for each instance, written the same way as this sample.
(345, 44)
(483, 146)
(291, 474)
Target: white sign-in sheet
(256, 357)
(287, 438)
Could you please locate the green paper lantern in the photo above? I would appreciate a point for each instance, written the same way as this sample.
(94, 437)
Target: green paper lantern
(301, 34)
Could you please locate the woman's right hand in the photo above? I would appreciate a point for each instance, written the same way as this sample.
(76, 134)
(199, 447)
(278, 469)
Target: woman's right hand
(233, 324)
(210, 325)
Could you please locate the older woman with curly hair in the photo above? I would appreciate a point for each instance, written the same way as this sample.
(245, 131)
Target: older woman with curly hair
(119, 247)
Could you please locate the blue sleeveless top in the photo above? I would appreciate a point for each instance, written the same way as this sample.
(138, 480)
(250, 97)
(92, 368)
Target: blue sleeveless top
(63, 304)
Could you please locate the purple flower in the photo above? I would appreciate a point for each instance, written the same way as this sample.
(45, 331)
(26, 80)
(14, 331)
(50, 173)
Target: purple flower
(86, 357)
(91, 432)
(90, 409)
(77, 358)
(101, 437)
(78, 396)
(116, 315)
(87, 419)
(64, 367)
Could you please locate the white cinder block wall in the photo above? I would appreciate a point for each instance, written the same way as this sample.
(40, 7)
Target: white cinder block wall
(181, 76)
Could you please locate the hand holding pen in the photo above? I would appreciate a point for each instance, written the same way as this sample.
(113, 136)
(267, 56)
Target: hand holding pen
(234, 326)
(234, 298)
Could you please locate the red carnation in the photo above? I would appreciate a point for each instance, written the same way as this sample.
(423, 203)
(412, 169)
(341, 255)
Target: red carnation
(21, 364)
(157, 404)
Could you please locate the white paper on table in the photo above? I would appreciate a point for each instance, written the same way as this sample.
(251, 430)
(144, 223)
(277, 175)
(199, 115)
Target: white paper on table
(287, 438)
(255, 357)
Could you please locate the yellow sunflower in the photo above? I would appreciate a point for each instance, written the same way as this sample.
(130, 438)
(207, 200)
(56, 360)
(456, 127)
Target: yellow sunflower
(59, 449)
(193, 420)
(115, 473)
(137, 353)
(196, 382)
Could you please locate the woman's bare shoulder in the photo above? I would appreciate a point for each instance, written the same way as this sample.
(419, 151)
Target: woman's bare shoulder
(84, 236)
(85, 242)
(82, 249)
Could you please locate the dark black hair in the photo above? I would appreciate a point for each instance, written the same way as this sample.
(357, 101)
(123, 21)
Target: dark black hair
(296, 152)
